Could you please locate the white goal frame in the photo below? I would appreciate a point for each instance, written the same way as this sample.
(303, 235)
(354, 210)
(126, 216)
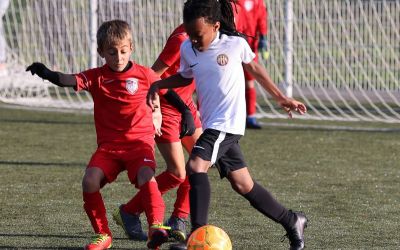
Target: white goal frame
(341, 57)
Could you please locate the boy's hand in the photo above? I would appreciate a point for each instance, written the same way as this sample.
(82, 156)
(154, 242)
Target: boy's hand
(187, 124)
(39, 69)
(152, 97)
(157, 121)
(289, 105)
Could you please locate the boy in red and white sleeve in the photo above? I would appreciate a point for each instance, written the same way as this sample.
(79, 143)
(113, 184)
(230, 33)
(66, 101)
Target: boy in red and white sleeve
(124, 128)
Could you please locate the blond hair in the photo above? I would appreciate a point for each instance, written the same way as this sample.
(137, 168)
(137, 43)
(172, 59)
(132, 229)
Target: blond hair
(112, 32)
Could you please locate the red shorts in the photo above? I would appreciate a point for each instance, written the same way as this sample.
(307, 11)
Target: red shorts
(171, 125)
(114, 161)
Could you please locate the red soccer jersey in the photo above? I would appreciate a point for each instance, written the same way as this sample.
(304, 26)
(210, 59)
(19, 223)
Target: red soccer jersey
(170, 55)
(240, 19)
(121, 114)
(255, 21)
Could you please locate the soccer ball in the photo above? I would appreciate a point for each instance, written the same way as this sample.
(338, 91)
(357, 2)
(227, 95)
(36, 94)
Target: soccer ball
(209, 237)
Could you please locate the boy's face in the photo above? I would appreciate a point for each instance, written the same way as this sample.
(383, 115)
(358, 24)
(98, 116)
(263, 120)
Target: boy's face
(117, 55)
(201, 33)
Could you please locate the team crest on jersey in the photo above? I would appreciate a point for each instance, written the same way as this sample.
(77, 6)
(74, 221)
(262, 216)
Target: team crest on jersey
(222, 59)
(132, 85)
(248, 5)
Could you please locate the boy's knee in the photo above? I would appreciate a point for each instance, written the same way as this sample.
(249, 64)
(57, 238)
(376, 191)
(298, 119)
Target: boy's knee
(92, 180)
(90, 184)
(197, 165)
(144, 175)
(241, 186)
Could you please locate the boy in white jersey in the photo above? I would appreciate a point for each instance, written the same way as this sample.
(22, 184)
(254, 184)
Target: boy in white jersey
(213, 56)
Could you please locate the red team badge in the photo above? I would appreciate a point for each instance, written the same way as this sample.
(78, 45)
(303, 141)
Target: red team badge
(132, 85)
(222, 59)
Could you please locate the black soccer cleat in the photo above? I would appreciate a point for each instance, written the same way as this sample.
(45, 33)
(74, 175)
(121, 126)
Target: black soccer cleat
(295, 233)
(130, 223)
(178, 228)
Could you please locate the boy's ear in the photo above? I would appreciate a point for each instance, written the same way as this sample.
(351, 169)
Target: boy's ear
(216, 27)
(132, 47)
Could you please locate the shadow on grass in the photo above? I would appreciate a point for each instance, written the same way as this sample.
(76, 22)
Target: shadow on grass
(33, 163)
(13, 235)
(47, 122)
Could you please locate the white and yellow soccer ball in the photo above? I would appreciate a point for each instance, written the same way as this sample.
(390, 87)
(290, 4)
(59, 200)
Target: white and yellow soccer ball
(209, 237)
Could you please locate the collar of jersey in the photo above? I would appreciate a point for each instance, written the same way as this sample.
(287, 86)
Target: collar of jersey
(215, 41)
(109, 73)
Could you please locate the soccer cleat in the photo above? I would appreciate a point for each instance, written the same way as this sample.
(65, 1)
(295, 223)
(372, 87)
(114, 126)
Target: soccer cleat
(158, 235)
(178, 228)
(295, 233)
(130, 223)
(100, 242)
(252, 123)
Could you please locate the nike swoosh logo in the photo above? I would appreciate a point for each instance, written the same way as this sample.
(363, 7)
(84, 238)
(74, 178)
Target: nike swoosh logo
(195, 146)
(147, 160)
(108, 81)
(193, 65)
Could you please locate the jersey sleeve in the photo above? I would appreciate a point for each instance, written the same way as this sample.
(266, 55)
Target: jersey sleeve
(85, 80)
(171, 52)
(247, 55)
(184, 70)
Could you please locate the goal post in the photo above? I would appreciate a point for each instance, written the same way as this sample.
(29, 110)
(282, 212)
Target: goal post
(340, 57)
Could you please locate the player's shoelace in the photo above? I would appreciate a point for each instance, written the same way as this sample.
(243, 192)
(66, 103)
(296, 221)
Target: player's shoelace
(100, 238)
(160, 226)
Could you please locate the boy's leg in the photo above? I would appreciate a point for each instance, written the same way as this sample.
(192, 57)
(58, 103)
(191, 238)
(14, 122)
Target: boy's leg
(182, 204)
(258, 196)
(262, 200)
(93, 180)
(200, 191)
(153, 205)
(211, 146)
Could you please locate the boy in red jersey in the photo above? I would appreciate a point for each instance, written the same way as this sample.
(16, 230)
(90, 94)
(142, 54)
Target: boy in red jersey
(180, 126)
(253, 23)
(124, 128)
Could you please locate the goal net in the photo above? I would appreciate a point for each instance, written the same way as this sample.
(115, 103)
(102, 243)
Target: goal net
(340, 57)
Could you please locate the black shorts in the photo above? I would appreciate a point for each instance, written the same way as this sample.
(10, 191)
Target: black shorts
(221, 149)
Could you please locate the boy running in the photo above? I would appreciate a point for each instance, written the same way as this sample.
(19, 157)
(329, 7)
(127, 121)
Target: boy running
(213, 56)
(124, 128)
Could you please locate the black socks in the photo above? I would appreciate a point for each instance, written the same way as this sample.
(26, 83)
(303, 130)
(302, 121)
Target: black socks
(200, 192)
(265, 203)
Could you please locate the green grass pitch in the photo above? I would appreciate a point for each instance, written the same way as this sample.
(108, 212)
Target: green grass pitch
(346, 181)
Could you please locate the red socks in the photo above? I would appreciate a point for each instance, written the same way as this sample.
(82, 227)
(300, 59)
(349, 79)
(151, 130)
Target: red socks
(94, 208)
(152, 203)
(182, 206)
(251, 100)
(166, 181)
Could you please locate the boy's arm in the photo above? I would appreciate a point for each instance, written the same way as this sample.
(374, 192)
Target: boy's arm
(262, 76)
(159, 67)
(157, 117)
(174, 81)
(57, 78)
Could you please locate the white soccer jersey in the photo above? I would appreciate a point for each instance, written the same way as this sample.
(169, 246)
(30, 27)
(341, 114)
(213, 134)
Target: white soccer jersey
(219, 79)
